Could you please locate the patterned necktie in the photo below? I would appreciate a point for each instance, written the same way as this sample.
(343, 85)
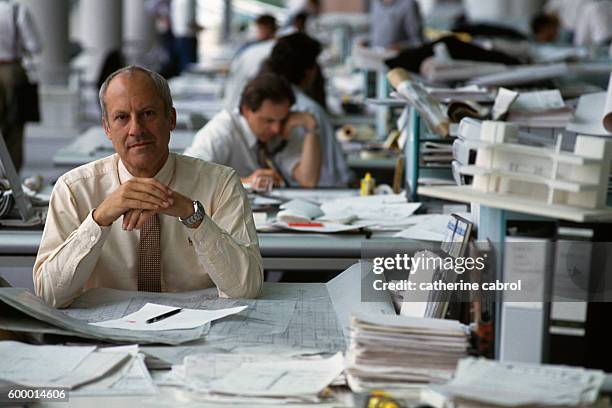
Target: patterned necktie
(149, 256)
(265, 162)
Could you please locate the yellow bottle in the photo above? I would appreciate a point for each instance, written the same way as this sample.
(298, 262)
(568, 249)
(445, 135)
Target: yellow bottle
(367, 185)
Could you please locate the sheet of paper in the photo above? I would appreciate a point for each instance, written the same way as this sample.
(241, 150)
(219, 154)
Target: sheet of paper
(607, 118)
(185, 319)
(280, 379)
(588, 119)
(538, 101)
(39, 365)
(132, 379)
(352, 291)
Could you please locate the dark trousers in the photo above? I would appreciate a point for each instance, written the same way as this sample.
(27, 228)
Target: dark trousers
(186, 50)
(11, 76)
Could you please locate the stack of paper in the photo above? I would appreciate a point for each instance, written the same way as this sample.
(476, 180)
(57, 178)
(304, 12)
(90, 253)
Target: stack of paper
(403, 353)
(436, 154)
(487, 383)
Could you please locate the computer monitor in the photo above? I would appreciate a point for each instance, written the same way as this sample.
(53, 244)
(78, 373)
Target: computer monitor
(22, 201)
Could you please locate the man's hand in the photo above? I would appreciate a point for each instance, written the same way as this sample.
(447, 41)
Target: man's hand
(181, 207)
(261, 174)
(141, 194)
(298, 120)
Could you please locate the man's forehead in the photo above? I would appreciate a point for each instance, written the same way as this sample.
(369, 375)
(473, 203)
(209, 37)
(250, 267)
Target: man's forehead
(129, 85)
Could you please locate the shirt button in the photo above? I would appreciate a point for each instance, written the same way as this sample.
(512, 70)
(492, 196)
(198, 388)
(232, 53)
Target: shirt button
(93, 238)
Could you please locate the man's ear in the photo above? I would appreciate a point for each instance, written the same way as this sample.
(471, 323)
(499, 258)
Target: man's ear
(106, 127)
(172, 119)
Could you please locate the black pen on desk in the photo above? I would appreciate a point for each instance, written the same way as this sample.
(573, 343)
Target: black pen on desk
(163, 316)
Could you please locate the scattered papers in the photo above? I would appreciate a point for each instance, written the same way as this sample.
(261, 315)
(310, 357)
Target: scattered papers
(427, 227)
(271, 376)
(54, 366)
(299, 379)
(399, 352)
(375, 211)
(607, 119)
(186, 319)
(495, 383)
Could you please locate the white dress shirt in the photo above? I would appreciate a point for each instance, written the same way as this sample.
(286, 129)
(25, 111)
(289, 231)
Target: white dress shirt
(77, 254)
(227, 139)
(27, 36)
(594, 26)
(183, 17)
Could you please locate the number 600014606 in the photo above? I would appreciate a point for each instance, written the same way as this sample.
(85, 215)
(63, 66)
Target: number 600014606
(58, 394)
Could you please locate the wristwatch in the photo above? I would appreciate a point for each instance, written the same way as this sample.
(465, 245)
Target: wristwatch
(197, 216)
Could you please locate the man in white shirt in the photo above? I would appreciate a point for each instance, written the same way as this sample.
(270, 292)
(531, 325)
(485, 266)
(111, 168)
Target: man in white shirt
(17, 34)
(146, 219)
(263, 139)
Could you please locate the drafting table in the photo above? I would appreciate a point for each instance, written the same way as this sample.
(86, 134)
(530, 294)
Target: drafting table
(93, 144)
(311, 324)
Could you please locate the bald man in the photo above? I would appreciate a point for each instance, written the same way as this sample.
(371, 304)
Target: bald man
(144, 218)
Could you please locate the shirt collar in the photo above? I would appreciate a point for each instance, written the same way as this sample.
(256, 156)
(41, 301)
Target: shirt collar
(165, 175)
(249, 136)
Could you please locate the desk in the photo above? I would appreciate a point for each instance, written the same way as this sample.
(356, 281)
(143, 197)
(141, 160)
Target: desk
(93, 145)
(313, 325)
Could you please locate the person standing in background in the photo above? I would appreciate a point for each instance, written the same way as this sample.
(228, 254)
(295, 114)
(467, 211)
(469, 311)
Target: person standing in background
(160, 10)
(185, 29)
(396, 24)
(17, 34)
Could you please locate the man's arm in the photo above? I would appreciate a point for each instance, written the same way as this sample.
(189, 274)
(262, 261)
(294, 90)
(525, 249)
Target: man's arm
(226, 243)
(308, 168)
(69, 250)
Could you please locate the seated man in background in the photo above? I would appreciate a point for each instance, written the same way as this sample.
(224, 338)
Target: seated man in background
(262, 139)
(294, 57)
(196, 226)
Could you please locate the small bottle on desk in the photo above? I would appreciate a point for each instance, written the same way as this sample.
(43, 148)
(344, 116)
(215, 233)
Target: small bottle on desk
(367, 185)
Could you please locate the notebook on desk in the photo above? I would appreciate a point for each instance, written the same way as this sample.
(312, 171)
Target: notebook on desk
(26, 214)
